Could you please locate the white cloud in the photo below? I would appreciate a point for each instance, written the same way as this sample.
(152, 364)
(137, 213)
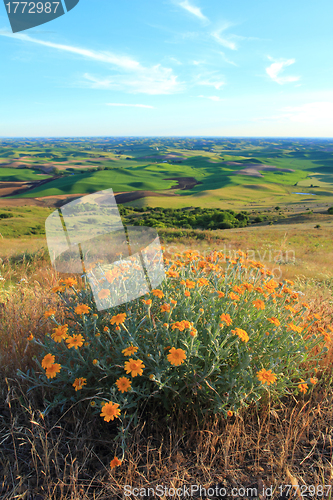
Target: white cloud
(227, 60)
(123, 62)
(225, 41)
(175, 60)
(212, 97)
(154, 81)
(129, 105)
(277, 67)
(210, 82)
(135, 79)
(192, 9)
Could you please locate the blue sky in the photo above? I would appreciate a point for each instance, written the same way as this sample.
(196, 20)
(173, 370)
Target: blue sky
(171, 68)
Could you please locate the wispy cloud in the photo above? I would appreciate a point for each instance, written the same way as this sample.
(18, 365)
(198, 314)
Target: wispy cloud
(136, 78)
(154, 81)
(129, 105)
(175, 60)
(274, 70)
(215, 82)
(226, 59)
(226, 41)
(192, 9)
(123, 62)
(211, 97)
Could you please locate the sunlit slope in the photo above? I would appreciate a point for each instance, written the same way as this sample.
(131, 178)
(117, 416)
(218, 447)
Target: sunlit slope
(117, 179)
(221, 180)
(21, 175)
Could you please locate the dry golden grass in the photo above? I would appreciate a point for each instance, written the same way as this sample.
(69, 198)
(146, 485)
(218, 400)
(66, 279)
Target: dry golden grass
(67, 456)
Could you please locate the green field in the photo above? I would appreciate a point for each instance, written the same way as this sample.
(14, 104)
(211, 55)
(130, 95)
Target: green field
(84, 166)
(20, 174)
(16, 222)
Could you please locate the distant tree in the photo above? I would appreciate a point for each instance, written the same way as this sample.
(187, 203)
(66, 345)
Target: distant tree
(225, 225)
(330, 210)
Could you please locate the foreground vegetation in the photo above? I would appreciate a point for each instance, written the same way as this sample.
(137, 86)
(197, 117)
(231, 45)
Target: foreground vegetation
(66, 452)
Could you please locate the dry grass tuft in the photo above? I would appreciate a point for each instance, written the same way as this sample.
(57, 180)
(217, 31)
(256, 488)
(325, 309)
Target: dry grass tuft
(66, 456)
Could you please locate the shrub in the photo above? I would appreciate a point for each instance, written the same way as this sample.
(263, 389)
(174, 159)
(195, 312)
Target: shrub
(216, 337)
(330, 210)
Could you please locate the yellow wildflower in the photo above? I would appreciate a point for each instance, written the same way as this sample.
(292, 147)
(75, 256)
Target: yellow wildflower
(48, 360)
(69, 282)
(123, 384)
(134, 367)
(60, 333)
(75, 341)
(130, 350)
(295, 328)
(118, 319)
(176, 356)
(49, 313)
(110, 411)
(266, 377)
(303, 387)
(52, 370)
(82, 309)
(274, 321)
(79, 383)
(233, 296)
(203, 282)
(226, 318)
(103, 294)
(242, 334)
(115, 463)
(258, 304)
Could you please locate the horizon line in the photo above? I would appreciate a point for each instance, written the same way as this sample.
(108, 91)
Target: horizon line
(166, 136)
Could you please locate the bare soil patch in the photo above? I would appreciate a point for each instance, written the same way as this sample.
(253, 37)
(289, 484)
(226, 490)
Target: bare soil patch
(183, 182)
(253, 169)
(20, 202)
(168, 156)
(135, 195)
(11, 188)
(46, 169)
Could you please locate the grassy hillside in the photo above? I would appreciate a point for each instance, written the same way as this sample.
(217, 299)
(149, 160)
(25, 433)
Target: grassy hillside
(83, 166)
(20, 174)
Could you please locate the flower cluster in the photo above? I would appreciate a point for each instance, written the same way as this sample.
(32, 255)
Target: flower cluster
(213, 335)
